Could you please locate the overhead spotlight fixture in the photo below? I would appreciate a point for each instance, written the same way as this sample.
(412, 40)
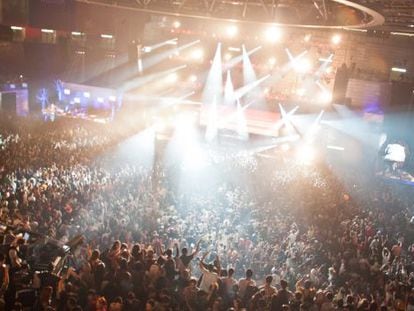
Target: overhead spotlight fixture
(227, 57)
(86, 94)
(197, 54)
(273, 34)
(272, 61)
(66, 91)
(302, 65)
(76, 100)
(100, 100)
(112, 98)
(397, 69)
(16, 28)
(47, 30)
(301, 92)
(193, 78)
(146, 49)
(106, 36)
(232, 31)
(336, 39)
(172, 77)
(307, 38)
(325, 97)
(76, 33)
(176, 24)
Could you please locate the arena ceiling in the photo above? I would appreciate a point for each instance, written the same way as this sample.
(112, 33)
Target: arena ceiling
(392, 15)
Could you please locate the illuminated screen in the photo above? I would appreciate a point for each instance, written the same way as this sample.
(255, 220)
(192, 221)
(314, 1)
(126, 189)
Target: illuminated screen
(395, 153)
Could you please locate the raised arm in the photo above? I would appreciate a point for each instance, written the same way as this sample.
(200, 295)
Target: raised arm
(197, 248)
(202, 268)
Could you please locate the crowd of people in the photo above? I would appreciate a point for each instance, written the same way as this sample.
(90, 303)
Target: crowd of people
(85, 228)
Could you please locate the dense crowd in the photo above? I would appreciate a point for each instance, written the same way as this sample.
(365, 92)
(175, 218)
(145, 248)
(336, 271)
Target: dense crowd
(265, 234)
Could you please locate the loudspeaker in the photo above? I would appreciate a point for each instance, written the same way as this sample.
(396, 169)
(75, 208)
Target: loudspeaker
(8, 103)
(134, 52)
(402, 94)
(340, 85)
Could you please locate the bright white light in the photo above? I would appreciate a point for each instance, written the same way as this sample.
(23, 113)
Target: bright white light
(47, 30)
(86, 94)
(337, 148)
(12, 86)
(172, 42)
(176, 24)
(16, 28)
(100, 100)
(266, 90)
(395, 153)
(325, 97)
(328, 70)
(197, 54)
(146, 49)
(66, 91)
(336, 39)
(193, 78)
(76, 33)
(194, 159)
(227, 57)
(172, 77)
(77, 100)
(326, 60)
(396, 69)
(232, 31)
(112, 98)
(80, 52)
(233, 49)
(300, 92)
(305, 154)
(302, 65)
(106, 36)
(307, 38)
(24, 84)
(272, 61)
(273, 34)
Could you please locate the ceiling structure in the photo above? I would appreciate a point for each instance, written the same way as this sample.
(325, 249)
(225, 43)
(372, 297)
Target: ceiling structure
(292, 13)
(399, 14)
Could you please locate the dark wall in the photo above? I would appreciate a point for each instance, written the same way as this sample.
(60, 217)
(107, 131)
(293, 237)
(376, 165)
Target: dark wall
(52, 14)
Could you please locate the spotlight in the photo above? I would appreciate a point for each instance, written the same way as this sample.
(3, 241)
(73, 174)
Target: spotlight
(272, 61)
(146, 49)
(106, 36)
(193, 78)
(66, 91)
(173, 77)
(273, 34)
(86, 94)
(76, 100)
(303, 65)
(232, 31)
(176, 24)
(336, 39)
(300, 92)
(112, 98)
(227, 57)
(307, 38)
(197, 54)
(305, 154)
(100, 100)
(325, 97)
